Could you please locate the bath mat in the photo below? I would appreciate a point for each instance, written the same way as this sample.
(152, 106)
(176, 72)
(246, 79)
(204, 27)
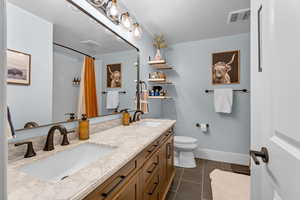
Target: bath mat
(228, 186)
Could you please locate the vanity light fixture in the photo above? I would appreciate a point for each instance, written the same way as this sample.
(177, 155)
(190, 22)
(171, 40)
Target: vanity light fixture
(112, 10)
(137, 31)
(126, 20)
(97, 3)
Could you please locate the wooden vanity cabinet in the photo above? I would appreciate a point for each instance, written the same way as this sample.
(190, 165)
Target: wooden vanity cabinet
(147, 177)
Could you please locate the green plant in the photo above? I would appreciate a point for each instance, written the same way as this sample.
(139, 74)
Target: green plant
(159, 42)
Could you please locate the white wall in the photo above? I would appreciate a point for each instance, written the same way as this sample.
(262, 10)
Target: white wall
(129, 74)
(30, 34)
(3, 139)
(192, 76)
(65, 94)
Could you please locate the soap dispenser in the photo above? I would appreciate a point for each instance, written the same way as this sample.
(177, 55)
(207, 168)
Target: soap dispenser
(84, 128)
(125, 117)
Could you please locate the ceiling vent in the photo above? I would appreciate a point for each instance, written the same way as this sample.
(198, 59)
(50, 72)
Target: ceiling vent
(239, 16)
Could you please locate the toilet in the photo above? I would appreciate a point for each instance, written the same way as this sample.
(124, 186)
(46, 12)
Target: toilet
(184, 151)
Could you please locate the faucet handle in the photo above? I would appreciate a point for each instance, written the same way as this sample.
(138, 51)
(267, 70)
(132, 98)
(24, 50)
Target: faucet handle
(30, 151)
(65, 140)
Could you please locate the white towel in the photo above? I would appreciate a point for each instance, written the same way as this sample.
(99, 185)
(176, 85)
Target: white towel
(223, 99)
(112, 99)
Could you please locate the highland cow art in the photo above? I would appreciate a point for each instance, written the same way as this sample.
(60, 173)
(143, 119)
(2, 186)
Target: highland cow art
(114, 76)
(226, 67)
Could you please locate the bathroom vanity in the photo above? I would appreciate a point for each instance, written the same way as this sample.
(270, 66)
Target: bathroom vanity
(148, 176)
(137, 165)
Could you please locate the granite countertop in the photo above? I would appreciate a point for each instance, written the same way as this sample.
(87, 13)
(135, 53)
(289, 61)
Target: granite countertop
(129, 140)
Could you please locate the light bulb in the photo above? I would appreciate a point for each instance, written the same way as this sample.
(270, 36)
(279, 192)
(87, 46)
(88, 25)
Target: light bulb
(126, 20)
(113, 10)
(137, 31)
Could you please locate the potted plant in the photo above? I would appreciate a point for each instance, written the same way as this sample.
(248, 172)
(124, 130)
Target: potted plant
(159, 43)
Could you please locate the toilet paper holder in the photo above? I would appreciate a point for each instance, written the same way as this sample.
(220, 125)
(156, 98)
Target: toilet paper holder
(198, 125)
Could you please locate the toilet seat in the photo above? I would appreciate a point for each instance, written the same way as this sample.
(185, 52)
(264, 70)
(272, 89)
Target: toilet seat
(184, 140)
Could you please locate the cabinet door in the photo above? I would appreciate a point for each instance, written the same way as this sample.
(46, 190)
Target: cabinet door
(130, 191)
(170, 157)
(151, 191)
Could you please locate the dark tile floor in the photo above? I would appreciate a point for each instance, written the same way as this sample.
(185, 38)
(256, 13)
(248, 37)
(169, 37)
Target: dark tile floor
(194, 184)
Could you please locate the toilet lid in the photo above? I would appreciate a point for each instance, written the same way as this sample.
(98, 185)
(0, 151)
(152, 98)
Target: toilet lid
(184, 140)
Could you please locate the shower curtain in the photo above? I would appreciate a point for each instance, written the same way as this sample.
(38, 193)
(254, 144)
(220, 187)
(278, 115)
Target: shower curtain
(87, 103)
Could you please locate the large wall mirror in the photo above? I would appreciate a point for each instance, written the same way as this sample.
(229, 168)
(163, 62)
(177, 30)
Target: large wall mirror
(62, 63)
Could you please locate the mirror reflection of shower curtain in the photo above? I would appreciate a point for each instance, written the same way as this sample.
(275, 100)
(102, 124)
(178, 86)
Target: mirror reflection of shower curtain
(87, 103)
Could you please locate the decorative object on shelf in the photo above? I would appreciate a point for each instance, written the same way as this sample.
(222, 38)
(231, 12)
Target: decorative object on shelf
(226, 67)
(18, 67)
(157, 76)
(76, 81)
(110, 8)
(159, 43)
(114, 76)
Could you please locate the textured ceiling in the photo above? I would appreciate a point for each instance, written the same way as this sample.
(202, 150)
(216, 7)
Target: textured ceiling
(71, 26)
(188, 20)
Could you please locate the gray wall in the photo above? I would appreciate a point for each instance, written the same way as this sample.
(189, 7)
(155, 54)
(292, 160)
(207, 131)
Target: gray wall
(3, 141)
(31, 34)
(193, 61)
(65, 94)
(129, 74)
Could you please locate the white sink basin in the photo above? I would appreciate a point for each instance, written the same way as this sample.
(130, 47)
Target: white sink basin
(65, 163)
(151, 124)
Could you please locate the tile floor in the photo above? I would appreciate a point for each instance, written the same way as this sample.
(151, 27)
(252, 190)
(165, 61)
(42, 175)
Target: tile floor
(194, 184)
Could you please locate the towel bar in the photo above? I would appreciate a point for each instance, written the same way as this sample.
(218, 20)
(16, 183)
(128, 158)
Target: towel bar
(120, 92)
(243, 90)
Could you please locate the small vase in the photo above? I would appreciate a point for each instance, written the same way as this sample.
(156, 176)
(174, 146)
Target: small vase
(158, 55)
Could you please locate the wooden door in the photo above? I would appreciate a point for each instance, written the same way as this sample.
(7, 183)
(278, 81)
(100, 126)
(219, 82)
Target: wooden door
(275, 99)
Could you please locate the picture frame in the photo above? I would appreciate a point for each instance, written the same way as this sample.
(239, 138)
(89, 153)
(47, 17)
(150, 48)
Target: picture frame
(226, 67)
(18, 67)
(114, 75)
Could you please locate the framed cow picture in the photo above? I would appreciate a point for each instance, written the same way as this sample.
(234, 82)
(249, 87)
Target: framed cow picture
(226, 67)
(114, 75)
(18, 67)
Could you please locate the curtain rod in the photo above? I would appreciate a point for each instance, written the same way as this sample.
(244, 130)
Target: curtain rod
(63, 46)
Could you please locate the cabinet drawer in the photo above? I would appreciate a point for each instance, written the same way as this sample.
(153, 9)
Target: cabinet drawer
(150, 167)
(110, 187)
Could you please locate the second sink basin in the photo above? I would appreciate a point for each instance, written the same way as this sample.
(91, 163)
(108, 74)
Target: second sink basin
(151, 124)
(65, 163)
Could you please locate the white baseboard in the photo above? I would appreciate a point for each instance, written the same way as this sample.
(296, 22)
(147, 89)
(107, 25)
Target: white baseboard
(222, 156)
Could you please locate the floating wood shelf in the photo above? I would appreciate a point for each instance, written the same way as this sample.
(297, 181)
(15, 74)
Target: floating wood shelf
(159, 81)
(160, 64)
(159, 97)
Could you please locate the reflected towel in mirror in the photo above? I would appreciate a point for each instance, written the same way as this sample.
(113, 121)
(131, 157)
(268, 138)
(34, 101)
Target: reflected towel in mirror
(112, 100)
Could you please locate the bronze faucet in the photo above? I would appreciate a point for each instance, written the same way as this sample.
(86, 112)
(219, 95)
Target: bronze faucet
(30, 151)
(49, 146)
(136, 116)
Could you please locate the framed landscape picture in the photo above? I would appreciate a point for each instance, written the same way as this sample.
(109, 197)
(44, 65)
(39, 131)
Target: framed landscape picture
(18, 67)
(114, 75)
(226, 67)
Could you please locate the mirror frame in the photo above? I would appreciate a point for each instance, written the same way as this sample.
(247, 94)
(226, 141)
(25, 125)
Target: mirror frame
(137, 82)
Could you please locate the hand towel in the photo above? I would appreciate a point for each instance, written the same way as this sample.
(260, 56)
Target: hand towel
(223, 99)
(144, 101)
(112, 99)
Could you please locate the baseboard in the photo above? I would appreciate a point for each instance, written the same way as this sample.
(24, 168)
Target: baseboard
(222, 156)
